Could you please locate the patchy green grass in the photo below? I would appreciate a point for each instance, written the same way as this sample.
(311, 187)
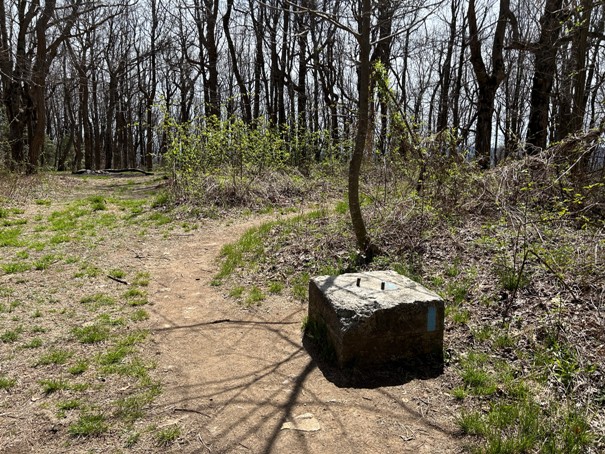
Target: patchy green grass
(514, 422)
(133, 407)
(54, 385)
(139, 315)
(237, 291)
(107, 319)
(117, 273)
(458, 314)
(44, 262)
(88, 270)
(59, 239)
(97, 203)
(6, 382)
(78, 368)
(159, 219)
(142, 279)
(13, 222)
(512, 279)
(134, 293)
(11, 335)
(36, 342)
(133, 207)
(70, 404)
(114, 355)
(521, 427)
(16, 267)
(10, 237)
(135, 297)
(275, 288)
(89, 425)
(65, 334)
(167, 436)
(56, 356)
(91, 334)
(250, 245)
(255, 297)
(97, 300)
(300, 286)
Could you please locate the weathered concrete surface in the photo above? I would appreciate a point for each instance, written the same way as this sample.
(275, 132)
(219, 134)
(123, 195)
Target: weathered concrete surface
(387, 318)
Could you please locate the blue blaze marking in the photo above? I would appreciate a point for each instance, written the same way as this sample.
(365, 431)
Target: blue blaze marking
(390, 286)
(431, 319)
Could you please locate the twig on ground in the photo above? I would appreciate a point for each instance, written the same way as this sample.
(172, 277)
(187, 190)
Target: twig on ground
(199, 436)
(6, 415)
(191, 410)
(117, 280)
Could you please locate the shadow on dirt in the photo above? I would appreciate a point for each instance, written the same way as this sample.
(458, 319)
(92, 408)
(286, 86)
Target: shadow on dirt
(248, 406)
(393, 374)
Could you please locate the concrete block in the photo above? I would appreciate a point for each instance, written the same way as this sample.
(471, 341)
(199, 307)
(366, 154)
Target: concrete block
(375, 318)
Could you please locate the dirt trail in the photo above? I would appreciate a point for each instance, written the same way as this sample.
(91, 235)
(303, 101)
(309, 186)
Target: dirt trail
(232, 376)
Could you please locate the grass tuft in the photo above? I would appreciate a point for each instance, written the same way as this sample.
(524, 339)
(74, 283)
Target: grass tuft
(256, 296)
(34, 343)
(88, 425)
(91, 334)
(10, 237)
(167, 436)
(275, 288)
(55, 357)
(71, 404)
(97, 203)
(6, 382)
(44, 262)
(139, 315)
(16, 267)
(10, 336)
(78, 368)
(53, 385)
(97, 300)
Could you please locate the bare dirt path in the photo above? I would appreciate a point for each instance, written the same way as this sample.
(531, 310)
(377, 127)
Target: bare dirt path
(234, 376)
(232, 379)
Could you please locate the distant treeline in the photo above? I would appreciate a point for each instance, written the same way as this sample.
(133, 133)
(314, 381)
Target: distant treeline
(96, 85)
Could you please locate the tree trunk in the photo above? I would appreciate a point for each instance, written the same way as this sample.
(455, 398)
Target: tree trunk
(544, 72)
(488, 83)
(259, 61)
(446, 71)
(245, 97)
(363, 240)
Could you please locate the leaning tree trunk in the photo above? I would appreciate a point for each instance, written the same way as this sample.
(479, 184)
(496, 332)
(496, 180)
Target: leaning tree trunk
(363, 240)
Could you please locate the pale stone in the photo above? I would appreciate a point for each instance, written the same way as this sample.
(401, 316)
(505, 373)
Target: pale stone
(305, 423)
(377, 317)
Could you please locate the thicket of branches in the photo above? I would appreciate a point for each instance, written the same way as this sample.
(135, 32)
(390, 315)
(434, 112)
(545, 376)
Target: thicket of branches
(90, 84)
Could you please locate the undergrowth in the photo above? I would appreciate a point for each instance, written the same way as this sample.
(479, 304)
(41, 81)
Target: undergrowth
(517, 258)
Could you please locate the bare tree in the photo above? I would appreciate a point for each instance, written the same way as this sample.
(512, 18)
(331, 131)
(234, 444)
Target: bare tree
(27, 49)
(488, 81)
(544, 72)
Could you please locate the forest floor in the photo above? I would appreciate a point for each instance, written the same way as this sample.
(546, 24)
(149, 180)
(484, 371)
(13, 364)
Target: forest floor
(114, 337)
